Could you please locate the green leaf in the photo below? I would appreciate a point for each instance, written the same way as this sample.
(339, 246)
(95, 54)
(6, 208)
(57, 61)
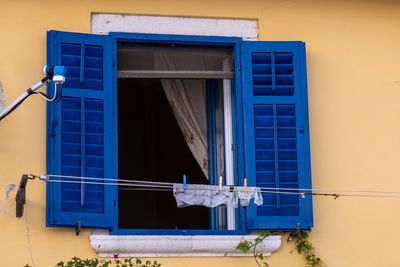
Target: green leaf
(304, 235)
(299, 248)
(265, 233)
(244, 246)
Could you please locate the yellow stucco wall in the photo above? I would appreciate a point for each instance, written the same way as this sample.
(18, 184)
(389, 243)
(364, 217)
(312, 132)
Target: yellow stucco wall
(353, 56)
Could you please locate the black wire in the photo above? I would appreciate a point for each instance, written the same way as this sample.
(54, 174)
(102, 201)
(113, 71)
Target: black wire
(43, 94)
(59, 94)
(30, 92)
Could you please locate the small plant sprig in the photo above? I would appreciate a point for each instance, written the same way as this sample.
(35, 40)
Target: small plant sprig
(77, 262)
(246, 245)
(303, 245)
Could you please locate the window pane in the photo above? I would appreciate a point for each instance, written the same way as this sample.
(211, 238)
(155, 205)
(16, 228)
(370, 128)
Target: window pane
(183, 57)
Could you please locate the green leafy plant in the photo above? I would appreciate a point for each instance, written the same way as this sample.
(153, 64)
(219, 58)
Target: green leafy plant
(303, 245)
(94, 262)
(246, 245)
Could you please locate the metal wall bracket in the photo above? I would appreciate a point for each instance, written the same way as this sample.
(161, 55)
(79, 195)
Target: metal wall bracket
(78, 227)
(298, 227)
(20, 197)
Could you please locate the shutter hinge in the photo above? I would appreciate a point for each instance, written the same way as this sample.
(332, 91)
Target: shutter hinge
(298, 227)
(53, 128)
(78, 227)
(239, 67)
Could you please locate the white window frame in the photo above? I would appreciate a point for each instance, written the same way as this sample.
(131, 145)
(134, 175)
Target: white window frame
(184, 246)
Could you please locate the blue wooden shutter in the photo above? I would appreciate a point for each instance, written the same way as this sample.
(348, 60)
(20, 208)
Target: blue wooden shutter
(276, 133)
(80, 131)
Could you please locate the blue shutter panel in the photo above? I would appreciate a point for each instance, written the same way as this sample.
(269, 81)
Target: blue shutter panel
(80, 131)
(276, 133)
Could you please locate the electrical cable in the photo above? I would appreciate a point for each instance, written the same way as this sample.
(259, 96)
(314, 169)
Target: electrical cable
(53, 73)
(56, 95)
(60, 94)
(28, 238)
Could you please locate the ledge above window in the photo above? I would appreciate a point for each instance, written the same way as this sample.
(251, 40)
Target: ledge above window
(106, 245)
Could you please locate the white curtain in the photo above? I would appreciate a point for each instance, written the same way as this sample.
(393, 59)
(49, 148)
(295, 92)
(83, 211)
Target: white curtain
(187, 99)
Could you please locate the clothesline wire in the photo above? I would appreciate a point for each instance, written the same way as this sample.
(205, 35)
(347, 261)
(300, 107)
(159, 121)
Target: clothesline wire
(266, 188)
(157, 188)
(106, 179)
(163, 186)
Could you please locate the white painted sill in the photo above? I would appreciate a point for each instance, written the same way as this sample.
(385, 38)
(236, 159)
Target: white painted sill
(106, 245)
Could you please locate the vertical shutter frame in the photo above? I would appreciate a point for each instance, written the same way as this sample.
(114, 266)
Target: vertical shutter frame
(58, 214)
(252, 99)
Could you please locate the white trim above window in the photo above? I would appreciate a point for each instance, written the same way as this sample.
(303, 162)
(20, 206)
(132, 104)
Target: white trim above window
(106, 245)
(243, 28)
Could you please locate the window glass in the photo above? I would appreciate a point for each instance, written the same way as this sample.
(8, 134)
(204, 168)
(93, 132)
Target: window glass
(137, 56)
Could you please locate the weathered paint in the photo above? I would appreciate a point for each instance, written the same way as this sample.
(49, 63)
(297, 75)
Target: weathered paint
(353, 61)
(105, 23)
(7, 189)
(2, 98)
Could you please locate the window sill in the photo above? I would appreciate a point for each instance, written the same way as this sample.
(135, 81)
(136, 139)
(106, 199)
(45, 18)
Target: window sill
(106, 245)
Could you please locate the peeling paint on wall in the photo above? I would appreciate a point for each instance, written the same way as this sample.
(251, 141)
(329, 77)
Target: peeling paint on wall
(7, 189)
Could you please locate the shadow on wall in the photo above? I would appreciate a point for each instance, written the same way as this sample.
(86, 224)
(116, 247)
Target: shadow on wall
(2, 98)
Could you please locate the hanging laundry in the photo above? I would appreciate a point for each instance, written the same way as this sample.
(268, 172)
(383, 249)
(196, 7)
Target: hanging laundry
(245, 197)
(213, 196)
(235, 197)
(201, 195)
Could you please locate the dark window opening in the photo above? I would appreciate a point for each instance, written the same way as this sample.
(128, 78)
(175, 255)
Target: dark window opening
(151, 147)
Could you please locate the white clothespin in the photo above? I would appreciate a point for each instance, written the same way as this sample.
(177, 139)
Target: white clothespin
(44, 177)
